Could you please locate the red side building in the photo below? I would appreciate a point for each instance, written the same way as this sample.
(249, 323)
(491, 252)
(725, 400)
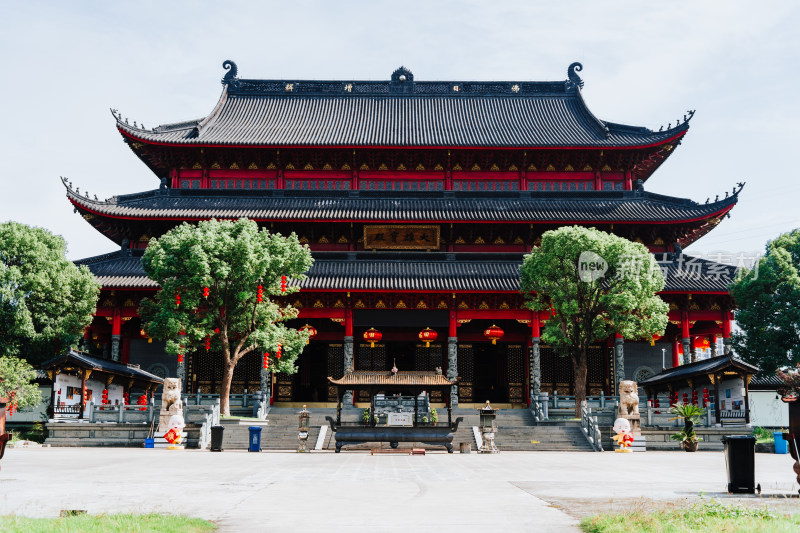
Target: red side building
(418, 200)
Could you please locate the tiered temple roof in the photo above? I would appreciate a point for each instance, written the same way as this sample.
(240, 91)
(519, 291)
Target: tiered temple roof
(429, 271)
(402, 112)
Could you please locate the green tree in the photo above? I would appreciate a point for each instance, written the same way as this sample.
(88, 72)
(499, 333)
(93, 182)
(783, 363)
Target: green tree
(768, 301)
(45, 300)
(16, 376)
(232, 259)
(598, 284)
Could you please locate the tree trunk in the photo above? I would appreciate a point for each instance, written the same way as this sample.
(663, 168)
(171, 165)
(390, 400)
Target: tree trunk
(224, 396)
(581, 370)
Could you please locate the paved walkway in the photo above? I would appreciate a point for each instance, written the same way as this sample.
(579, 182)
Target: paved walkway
(356, 492)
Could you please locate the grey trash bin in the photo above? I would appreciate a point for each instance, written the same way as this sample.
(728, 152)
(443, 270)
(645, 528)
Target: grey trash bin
(740, 458)
(216, 438)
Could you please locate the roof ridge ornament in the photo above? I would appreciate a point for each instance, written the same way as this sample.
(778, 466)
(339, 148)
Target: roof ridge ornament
(230, 78)
(575, 81)
(402, 81)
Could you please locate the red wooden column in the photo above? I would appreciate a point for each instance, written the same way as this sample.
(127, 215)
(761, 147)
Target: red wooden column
(726, 332)
(676, 356)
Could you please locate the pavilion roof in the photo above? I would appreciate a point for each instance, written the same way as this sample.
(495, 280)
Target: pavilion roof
(428, 271)
(366, 378)
(76, 359)
(401, 113)
(699, 369)
(387, 206)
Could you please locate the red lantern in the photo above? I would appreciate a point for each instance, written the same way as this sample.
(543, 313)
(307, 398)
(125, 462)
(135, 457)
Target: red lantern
(654, 339)
(177, 299)
(208, 342)
(206, 292)
(494, 334)
(278, 351)
(259, 294)
(694, 397)
(180, 358)
(428, 336)
(311, 330)
(701, 343)
(126, 398)
(685, 398)
(283, 283)
(372, 336)
(104, 396)
(266, 360)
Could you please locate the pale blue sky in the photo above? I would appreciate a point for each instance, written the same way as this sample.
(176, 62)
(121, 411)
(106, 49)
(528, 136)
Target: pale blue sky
(66, 63)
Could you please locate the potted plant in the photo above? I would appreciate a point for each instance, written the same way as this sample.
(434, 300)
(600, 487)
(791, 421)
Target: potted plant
(434, 416)
(790, 390)
(690, 414)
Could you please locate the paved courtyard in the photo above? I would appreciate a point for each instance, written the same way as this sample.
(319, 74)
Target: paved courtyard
(356, 492)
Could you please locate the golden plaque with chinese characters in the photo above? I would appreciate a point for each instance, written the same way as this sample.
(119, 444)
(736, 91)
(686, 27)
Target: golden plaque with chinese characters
(401, 237)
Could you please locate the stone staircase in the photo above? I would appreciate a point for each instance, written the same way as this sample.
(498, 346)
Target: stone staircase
(516, 431)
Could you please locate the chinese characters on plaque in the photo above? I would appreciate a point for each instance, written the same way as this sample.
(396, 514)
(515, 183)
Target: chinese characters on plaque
(401, 237)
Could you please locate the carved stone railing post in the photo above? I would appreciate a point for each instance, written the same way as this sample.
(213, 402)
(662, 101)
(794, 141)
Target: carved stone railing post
(619, 357)
(452, 368)
(347, 398)
(115, 341)
(536, 367)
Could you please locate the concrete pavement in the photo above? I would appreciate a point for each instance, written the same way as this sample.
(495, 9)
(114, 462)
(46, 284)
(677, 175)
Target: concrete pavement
(512, 491)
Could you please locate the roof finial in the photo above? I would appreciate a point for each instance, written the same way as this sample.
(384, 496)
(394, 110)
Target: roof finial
(575, 81)
(233, 71)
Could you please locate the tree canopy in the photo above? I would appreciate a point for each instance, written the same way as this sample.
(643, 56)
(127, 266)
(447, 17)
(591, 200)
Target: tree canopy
(231, 259)
(768, 302)
(597, 284)
(45, 300)
(16, 381)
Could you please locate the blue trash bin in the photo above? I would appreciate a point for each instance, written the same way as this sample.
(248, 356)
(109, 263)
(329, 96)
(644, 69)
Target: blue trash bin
(781, 446)
(255, 438)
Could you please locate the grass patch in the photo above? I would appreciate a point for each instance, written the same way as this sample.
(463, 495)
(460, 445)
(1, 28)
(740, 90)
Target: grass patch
(702, 517)
(107, 523)
(763, 435)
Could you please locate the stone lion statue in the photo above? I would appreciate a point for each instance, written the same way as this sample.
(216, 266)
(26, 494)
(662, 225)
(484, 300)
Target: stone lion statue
(628, 398)
(171, 397)
(171, 404)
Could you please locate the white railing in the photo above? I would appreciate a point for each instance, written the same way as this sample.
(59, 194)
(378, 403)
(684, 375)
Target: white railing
(590, 427)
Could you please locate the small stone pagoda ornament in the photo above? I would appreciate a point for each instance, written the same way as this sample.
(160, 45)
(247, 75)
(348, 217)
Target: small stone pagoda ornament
(629, 406)
(303, 429)
(487, 417)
